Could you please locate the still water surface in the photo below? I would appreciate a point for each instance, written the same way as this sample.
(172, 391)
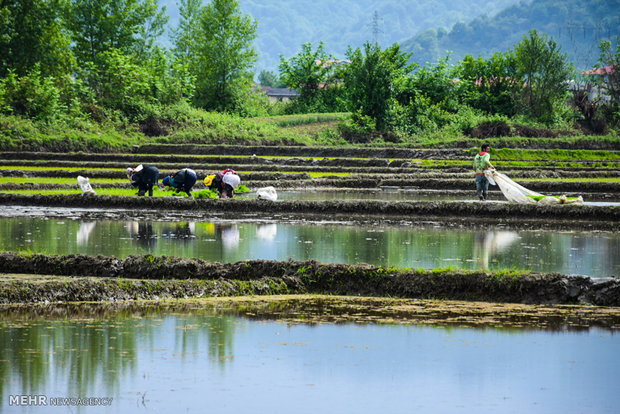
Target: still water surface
(412, 246)
(209, 362)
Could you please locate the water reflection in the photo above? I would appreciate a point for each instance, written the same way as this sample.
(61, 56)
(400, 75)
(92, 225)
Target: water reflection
(595, 254)
(176, 359)
(266, 231)
(489, 244)
(86, 227)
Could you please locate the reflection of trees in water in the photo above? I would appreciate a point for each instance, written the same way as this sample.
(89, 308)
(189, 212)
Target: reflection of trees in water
(82, 352)
(219, 331)
(92, 352)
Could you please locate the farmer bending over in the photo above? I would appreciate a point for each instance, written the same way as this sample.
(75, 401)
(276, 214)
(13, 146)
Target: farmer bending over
(182, 180)
(225, 182)
(143, 177)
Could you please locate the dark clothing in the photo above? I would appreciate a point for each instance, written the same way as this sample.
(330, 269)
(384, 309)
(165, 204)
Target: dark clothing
(184, 180)
(145, 179)
(220, 187)
(225, 190)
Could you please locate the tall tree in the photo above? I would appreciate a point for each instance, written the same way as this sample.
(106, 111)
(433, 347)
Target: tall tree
(31, 32)
(130, 26)
(608, 79)
(545, 71)
(370, 81)
(222, 52)
(307, 71)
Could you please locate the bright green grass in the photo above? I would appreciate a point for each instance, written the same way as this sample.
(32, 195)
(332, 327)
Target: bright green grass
(58, 180)
(33, 168)
(99, 191)
(576, 180)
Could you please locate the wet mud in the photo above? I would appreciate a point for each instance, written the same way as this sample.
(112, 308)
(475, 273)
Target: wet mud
(573, 216)
(172, 277)
(319, 309)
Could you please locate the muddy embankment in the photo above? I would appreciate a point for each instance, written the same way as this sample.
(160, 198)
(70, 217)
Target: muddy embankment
(456, 148)
(316, 309)
(573, 216)
(148, 277)
(391, 170)
(429, 181)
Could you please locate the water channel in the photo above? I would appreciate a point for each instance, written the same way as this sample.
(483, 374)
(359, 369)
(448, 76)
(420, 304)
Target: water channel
(595, 254)
(210, 361)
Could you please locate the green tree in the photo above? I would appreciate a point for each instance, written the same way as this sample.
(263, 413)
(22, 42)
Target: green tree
(609, 80)
(489, 84)
(129, 26)
(186, 36)
(545, 72)
(223, 55)
(267, 78)
(314, 74)
(371, 82)
(31, 33)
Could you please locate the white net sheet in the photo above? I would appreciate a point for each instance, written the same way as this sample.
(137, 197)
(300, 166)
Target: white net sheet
(516, 193)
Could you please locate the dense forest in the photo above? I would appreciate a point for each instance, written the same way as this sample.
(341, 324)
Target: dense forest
(577, 25)
(284, 25)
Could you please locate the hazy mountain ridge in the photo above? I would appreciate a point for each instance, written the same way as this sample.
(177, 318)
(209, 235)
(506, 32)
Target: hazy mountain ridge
(577, 25)
(283, 26)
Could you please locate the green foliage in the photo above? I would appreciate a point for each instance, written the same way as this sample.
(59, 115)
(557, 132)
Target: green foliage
(204, 194)
(545, 72)
(610, 82)
(129, 26)
(221, 54)
(316, 76)
(370, 82)
(489, 84)
(267, 78)
(31, 33)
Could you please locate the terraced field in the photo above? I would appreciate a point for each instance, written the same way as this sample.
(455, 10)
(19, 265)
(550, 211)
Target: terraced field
(371, 186)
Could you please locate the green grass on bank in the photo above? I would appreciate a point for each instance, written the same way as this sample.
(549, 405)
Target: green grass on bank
(157, 192)
(183, 125)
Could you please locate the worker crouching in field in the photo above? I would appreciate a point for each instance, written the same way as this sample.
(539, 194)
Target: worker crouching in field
(182, 180)
(225, 182)
(143, 177)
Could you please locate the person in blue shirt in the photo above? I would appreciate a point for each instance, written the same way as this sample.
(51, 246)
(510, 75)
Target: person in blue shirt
(182, 180)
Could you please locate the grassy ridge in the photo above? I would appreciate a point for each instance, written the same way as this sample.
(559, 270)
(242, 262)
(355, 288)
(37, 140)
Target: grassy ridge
(185, 126)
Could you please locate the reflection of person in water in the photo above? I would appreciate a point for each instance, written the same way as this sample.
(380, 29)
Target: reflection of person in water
(266, 231)
(143, 232)
(229, 235)
(490, 243)
(84, 232)
(181, 230)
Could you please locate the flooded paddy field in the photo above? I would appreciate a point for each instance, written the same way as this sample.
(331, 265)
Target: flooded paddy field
(399, 244)
(535, 329)
(317, 353)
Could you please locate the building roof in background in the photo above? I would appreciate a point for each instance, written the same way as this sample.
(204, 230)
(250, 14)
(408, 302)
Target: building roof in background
(281, 92)
(605, 70)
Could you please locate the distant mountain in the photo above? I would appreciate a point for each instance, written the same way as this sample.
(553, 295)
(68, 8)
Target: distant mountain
(284, 25)
(577, 25)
